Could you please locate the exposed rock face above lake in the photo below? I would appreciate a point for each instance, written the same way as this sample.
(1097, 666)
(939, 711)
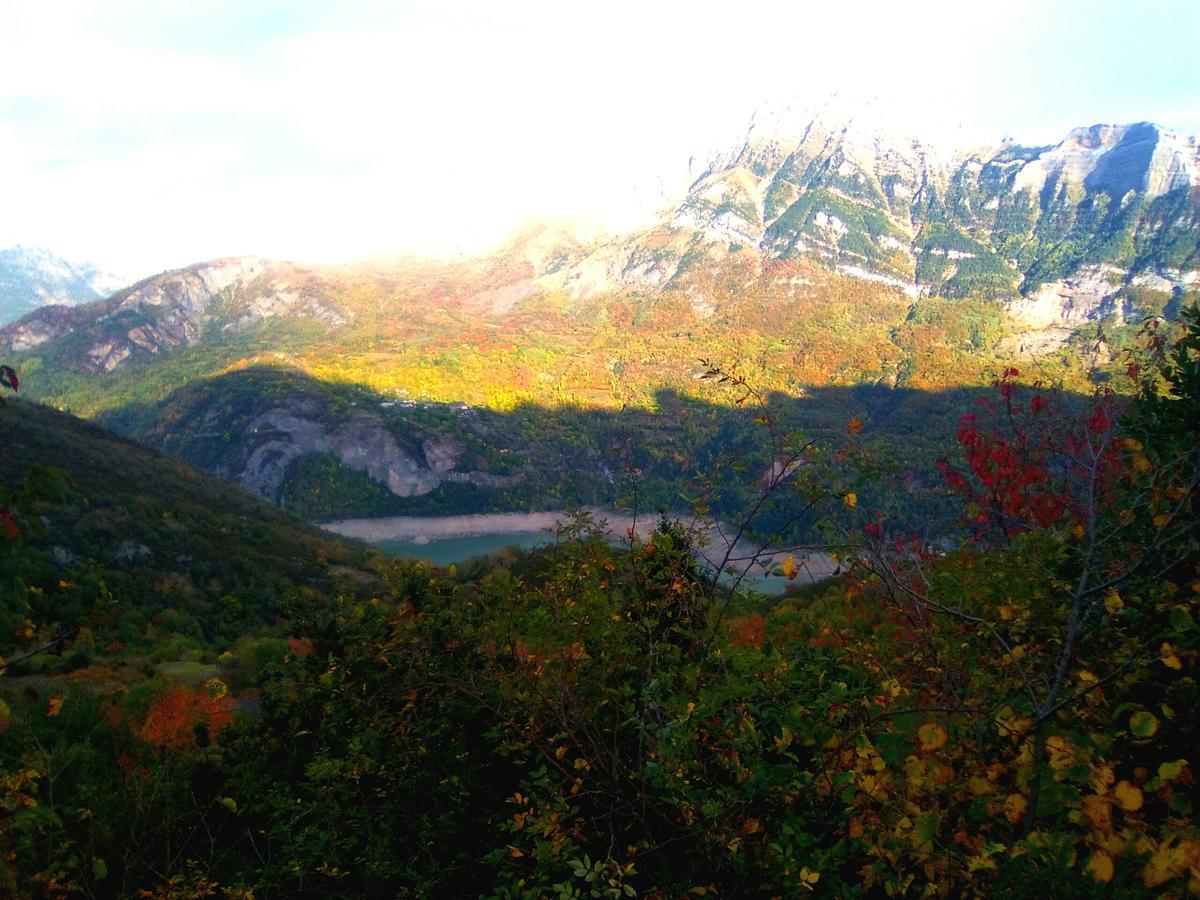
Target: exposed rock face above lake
(361, 441)
(252, 426)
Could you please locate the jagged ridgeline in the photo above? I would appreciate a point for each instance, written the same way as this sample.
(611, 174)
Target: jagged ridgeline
(992, 222)
(816, 253)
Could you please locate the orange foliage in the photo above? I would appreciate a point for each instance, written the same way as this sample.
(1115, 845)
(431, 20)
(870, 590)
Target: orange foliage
(749, 632)
(172, 720)
(300, 646)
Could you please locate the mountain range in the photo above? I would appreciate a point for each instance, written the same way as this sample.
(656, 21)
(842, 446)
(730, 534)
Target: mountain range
(202, 694)
(996, 220)
(1108, 210)
(1075, 230)
(820, 250)
(32, 277)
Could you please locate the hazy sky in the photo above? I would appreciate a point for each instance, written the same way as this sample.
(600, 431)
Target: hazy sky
(147, 135)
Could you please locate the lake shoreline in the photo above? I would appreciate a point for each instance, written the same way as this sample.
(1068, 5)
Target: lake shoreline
(436, 528)
(423, 530)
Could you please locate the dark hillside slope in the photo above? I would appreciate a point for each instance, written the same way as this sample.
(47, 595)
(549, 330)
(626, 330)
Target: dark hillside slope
(133, 545)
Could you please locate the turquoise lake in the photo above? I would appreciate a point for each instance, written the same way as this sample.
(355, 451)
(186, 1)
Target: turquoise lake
(445, 551)
(454, 550)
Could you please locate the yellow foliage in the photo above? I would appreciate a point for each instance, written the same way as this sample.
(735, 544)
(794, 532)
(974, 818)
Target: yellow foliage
(1112, 844)
(1169, 771)
(1102, 777)
(979, 786)
(1061, 753)
(982, 860)
(931, 736)
(1101, 867)
(1129, 796)
(785, 738)
(1143, 724)
(1009, 724)
(1014, 808)
(1171, 861)
(1169, 658)
(1113, 602)
(1098, 811)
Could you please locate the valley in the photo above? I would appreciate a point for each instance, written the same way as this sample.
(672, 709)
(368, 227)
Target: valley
(815, 257)
(442, 577)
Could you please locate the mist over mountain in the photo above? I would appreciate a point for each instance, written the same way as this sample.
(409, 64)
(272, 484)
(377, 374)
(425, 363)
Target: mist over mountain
(828, 249)
(944, 400)
(1070, 231)
(32, 277)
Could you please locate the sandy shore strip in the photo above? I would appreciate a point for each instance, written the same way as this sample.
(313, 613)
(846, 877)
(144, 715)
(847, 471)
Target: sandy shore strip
(436, 528)
(814, 566)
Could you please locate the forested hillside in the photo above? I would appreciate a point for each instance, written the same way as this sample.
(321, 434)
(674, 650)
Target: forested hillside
(339, 394)
(816, 254)
(595, 719)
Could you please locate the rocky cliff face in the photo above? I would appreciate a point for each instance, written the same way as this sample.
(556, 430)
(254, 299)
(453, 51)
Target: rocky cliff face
(361, 442)
(177, 309)
(1087, 228)
(1006, 221)
(827, 190)
(250, 426)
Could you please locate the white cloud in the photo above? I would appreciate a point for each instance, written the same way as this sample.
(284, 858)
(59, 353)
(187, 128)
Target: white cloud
(148, 134)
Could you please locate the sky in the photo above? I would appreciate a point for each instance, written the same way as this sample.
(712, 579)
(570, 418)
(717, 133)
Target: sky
(149, 135)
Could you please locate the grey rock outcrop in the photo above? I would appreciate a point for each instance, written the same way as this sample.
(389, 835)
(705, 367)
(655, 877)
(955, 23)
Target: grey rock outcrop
(360, 442)
(178, 309)
(132, 552)
(1000, 221)
(255, 440)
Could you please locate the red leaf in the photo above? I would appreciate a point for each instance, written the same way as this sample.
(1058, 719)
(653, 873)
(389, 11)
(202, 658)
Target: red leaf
(749, 632)
(9, 524)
